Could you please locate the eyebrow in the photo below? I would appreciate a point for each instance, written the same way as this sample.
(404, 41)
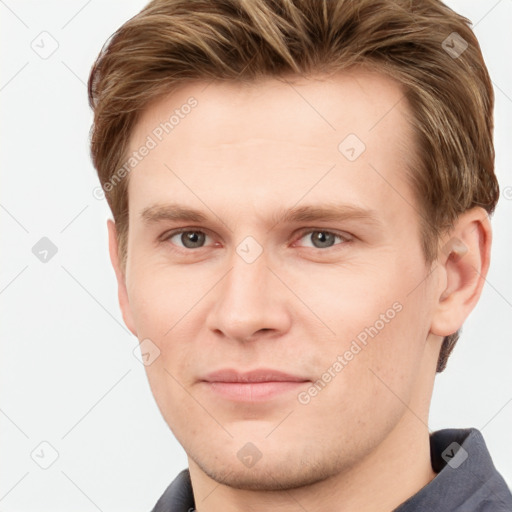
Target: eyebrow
(158, 213)
(327, 212)
(308, 213)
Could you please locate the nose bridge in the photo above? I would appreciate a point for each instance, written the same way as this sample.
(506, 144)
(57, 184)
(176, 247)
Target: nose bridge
(247, 286)
(248, 300)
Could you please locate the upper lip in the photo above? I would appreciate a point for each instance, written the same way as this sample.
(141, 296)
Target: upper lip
(257, 375)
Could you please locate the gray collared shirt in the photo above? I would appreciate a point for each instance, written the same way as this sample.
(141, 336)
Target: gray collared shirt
(466, 480)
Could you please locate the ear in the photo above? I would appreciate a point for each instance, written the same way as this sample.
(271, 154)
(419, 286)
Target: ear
(464, 261)
(122, 292)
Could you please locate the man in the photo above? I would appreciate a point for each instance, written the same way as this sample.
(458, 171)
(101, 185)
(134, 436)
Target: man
(301, 192)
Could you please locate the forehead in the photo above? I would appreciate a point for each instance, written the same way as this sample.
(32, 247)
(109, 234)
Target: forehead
(354, 101)
(253, 142)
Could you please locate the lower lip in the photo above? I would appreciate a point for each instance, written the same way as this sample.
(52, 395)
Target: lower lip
(253, 391)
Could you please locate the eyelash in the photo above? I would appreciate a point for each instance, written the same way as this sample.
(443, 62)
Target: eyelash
(344, 237)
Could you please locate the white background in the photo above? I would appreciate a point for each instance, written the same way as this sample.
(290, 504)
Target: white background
(68, 374)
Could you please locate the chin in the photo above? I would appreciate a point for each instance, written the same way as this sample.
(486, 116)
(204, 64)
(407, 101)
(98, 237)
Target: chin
(268, 475)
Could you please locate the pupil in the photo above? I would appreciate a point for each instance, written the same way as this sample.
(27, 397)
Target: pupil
(323, 239)
(192, 239)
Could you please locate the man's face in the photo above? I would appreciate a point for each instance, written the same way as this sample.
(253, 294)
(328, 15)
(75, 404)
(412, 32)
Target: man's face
(307, 261)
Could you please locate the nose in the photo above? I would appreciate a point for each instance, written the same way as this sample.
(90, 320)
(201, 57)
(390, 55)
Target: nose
(249, 303)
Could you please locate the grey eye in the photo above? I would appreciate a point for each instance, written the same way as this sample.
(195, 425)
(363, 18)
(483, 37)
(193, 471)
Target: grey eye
(322, 239)
(192, 239)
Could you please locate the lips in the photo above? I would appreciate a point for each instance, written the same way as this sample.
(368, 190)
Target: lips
(259, 385)
(258, 375)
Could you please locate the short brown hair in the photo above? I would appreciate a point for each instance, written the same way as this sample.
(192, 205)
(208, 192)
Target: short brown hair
(425, 46)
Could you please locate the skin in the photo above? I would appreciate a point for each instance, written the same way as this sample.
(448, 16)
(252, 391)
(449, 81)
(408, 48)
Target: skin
(243, 157)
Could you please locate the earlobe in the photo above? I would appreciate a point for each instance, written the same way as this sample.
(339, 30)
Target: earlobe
(463, 262)
(122, 292)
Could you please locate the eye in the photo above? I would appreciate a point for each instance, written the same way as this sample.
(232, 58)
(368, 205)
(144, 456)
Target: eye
(320, 239)
(196, 239)
(188, 239)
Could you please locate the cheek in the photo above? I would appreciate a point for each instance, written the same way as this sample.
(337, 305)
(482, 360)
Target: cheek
(166, 306)
(380, 321)
(373, 378)
(351, 297)
(161, 297)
